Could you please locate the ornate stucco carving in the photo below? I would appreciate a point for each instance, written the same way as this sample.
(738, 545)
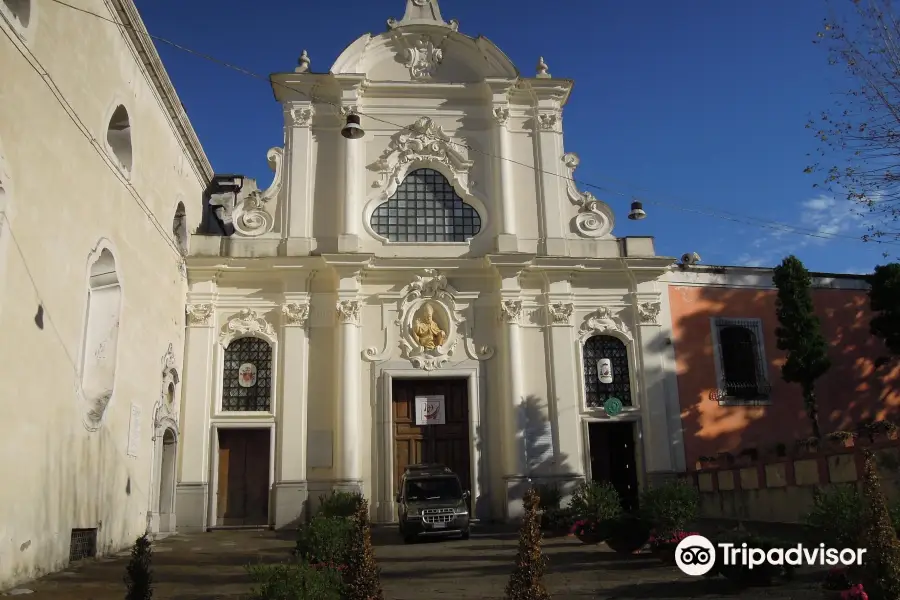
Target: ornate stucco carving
(594, 219)
(603, 320)
(648, 312)
(560, 313)
(422, 56)
(422, 12)
(511, 311)
(198, 315)
(296, 314)
(500, 114)
(302, 116)
(247, 323)
(423, 141)
(252, 216)
(430, 325)
(165, 413)
(348, 311)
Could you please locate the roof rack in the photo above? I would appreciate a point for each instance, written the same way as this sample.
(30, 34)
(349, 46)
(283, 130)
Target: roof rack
(427, 467)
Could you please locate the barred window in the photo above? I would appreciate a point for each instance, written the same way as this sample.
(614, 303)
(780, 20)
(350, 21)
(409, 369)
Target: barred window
(742, 370)
(426, 208)
(606, 346)
(247, 377)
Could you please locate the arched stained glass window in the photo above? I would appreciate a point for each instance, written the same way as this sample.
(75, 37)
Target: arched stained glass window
(426, 208)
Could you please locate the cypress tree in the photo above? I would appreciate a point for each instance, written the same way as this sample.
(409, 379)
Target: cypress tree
(799, 334)
(525, 582)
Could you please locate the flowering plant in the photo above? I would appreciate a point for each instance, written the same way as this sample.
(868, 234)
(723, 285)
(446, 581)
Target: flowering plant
(671, 539)
(855, 593)
(586, 527)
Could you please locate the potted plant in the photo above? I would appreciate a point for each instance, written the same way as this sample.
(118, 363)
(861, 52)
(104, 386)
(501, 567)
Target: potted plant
(884, 430)
(627, 534)
(556, 522)
(594, 504)
(807, 446)
(842, 439)
(748, 456)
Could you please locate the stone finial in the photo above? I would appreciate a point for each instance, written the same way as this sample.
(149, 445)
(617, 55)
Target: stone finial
(302, 63)
(542, 68)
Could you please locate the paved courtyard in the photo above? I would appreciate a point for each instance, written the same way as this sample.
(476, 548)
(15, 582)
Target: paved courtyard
(210, 566)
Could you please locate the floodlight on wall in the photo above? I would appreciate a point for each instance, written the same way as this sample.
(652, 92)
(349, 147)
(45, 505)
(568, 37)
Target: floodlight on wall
(637, 212)
(353, 130)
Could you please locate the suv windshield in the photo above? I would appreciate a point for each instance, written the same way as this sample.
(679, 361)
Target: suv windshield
(436, 488)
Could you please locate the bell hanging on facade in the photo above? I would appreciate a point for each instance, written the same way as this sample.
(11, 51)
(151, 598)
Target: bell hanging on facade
(637, 212)
(353, 130)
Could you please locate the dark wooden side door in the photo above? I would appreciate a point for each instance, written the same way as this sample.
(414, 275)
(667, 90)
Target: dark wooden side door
(613, 459)
(446, 444)
(243, 490)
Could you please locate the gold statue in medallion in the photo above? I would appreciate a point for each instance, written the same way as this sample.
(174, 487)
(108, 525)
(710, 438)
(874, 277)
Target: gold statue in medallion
(426, 330)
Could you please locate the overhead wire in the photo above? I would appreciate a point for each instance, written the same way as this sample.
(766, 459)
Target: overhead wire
(713, 213)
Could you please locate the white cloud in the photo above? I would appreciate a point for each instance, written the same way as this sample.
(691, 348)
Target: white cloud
(822, 220)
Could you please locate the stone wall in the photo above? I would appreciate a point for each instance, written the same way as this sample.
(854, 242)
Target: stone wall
(780, 489)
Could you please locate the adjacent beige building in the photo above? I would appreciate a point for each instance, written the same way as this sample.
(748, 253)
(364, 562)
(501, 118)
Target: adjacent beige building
(411, 276)
(101, 178)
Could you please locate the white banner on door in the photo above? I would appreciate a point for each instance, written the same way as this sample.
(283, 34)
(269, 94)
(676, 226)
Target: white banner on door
(430, 410)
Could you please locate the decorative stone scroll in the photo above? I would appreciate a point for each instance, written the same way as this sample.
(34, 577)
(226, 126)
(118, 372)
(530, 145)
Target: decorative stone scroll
(603, 320)
(594, 219)
(247, 323)
(165, 413)
(252, 215)
(302, 116)
(424, 141)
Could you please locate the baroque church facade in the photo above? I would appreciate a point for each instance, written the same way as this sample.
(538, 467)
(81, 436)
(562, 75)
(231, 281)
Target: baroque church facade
(408, 296)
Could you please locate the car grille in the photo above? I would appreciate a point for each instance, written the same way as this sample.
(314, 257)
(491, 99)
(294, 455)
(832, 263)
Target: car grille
(437, 515)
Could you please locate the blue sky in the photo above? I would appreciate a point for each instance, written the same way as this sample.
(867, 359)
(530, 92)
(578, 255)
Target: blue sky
(691, 106)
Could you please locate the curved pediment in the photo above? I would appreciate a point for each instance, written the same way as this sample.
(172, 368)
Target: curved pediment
(424, 53)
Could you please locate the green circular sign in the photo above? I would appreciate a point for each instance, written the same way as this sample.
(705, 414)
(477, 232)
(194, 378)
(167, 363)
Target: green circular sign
(613, 406)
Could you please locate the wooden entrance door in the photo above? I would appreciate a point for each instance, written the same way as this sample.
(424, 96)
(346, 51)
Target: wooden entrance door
(614, 459)
(243, 490)
(446, 444)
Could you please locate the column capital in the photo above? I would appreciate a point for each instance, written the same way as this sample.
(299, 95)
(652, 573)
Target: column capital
(348, 311)
(200, 315)
(511, 310)
(560, 314)
(295, 314)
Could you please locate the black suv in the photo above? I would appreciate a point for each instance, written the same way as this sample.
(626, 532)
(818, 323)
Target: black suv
(431, 502)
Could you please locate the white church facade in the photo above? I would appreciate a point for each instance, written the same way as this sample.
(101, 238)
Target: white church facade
(409, 296)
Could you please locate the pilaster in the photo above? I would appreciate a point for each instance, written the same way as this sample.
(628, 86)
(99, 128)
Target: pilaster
(565, 399)
(299, 177)
(192, 491)
(352, 172)
(291, 491)
(504, 180)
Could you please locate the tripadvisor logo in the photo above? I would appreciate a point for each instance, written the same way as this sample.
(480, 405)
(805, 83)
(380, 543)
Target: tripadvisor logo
(695, 555)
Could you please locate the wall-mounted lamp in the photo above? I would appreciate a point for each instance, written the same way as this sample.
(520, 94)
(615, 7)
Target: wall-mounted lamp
(353, 130)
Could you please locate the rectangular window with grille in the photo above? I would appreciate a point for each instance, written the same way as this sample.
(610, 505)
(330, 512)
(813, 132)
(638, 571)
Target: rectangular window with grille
(82, 544)
(741, 369)
(247, 376)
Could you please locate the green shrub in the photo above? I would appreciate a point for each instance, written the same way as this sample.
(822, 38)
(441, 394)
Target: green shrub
(295, 581)
(339, 504)
(550, 496)
(596, 501)
(138, 574)
(835, 517)
(324, 540)
(881, 569)
(670, 507)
